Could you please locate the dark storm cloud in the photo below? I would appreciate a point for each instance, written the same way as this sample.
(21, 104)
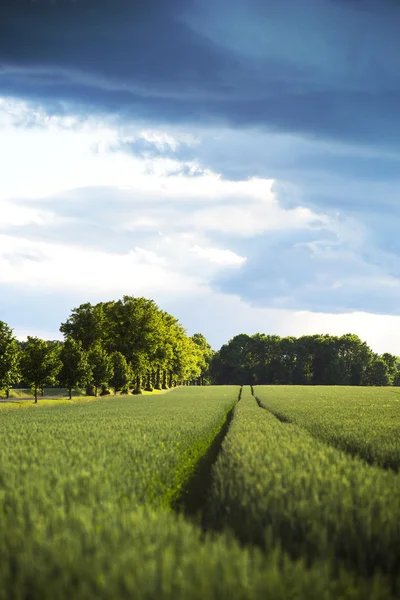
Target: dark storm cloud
(325, 68)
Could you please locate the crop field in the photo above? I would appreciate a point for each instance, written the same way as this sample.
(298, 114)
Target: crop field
(360, 420)
(93, 500)
(312, 499)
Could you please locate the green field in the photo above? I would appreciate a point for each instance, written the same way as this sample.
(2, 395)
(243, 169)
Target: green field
(363, 421)
(90, 496)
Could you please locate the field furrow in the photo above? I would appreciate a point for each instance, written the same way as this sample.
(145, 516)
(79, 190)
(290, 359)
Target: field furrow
(364, 422)
(273, 483)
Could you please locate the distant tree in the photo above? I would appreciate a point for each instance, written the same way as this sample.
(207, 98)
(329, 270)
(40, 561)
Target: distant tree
(9, 358)
(391, 361)
(75, 369)
(205, 356)
(101, 367)
(122, 373)
(377, 372)
(236, 361)
(40, 364)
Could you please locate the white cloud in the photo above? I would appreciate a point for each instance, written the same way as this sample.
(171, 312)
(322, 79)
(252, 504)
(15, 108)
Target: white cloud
(56, 266)
(14, 216)
(219, 257)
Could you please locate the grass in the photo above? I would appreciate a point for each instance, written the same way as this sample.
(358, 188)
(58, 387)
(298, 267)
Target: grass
(47, 392)
(313, 500)
(361, 421)
(87, 490)
(26, 400)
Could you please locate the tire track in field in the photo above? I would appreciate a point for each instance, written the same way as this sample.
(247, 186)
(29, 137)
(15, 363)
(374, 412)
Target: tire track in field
(194, 495)
(280, 418)
(354, 452)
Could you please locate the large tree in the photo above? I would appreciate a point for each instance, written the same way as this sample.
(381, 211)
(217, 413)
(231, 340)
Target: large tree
(40, 364)
(75, 368)
(9, 358)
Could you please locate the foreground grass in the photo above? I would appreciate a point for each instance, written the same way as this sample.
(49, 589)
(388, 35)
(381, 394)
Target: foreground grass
(85, 507)
(149, 555)
(362, 421)
(315, 501)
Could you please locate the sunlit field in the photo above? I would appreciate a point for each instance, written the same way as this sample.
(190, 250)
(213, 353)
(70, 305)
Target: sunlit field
(201, 492)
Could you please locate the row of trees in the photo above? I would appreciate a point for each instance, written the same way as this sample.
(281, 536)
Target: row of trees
(132, 344)
(307, 360)
(118, 344)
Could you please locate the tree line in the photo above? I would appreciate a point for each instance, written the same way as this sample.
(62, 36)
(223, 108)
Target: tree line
(131, 344)
(128, 344)
(307, 360)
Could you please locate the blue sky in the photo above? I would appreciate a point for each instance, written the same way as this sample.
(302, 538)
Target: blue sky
(239, 162)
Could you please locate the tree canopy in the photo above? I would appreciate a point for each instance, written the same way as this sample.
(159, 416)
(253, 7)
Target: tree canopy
(310, 359)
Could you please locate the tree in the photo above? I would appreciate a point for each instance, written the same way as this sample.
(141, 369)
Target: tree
(391, 362)
(377, 372)
(206, 355)
(134, 327)
(9, 358)
(85, 324)
(122, 373)
(236, 362)
(101, 367)
(40, 364)
(75, 369)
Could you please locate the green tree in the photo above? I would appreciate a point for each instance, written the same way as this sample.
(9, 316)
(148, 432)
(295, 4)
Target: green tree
(377, 372)
(75, 369)
(205, 356)
(236, 362)
(85, 324)
(391, 361)
(122, 373)
(40, 364)
(101, 367)
(9, 358)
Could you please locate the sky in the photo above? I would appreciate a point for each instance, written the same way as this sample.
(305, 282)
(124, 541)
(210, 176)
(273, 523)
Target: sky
(238, 162)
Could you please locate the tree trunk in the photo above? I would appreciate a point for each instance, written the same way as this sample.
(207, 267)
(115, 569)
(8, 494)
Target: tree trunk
(36, 391)
(7, 393)
(149, 387)
(157, 385)
(164, 380)
(170, 379)
(70, 393)
(138, 385)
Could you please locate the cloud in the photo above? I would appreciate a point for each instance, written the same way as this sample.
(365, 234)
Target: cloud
(326, 70)
(219, 257)
(284, 229)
